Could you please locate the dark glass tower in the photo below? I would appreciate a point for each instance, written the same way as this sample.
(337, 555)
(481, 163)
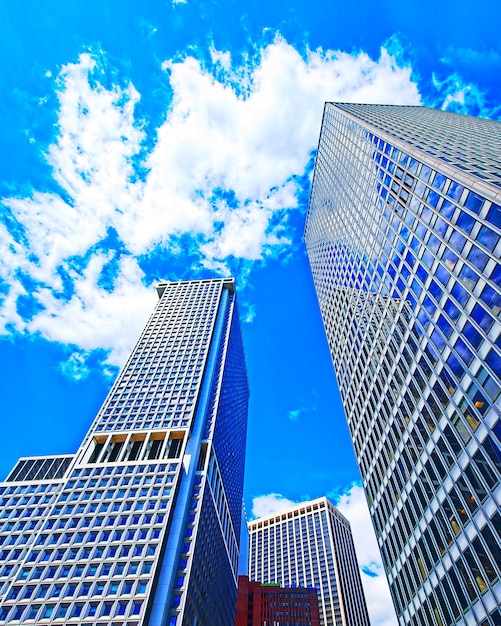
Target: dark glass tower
(403, 236)
(141, 526)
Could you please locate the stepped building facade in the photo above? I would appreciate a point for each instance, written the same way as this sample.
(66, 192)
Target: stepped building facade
(141, 527)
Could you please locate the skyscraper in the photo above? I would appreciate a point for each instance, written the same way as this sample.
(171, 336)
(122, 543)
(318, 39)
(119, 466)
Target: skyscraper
(141, 526)
(403, 236)
(310, 545)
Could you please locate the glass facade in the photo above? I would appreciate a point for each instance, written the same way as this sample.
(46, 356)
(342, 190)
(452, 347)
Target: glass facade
(143, 522)
(403, 236)
(311, 546)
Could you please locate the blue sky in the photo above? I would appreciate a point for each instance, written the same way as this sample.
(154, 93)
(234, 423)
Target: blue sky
(175, 140)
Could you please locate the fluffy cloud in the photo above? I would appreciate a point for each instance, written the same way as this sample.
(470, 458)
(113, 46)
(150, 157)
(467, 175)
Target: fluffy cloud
(353, 506)
(270, 503)
(221, 171)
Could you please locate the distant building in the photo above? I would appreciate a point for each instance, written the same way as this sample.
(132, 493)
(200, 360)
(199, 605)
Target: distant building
(310, 545)
(141, 526)
(270, 605)
(403, 236)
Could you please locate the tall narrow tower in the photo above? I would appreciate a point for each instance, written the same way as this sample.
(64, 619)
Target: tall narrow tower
(141, 526)
(311, 545)
(403, 236)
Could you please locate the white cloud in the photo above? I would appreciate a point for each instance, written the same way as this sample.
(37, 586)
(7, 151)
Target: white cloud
(75, 366)
(353, 506)
(248, 313)
(270, 503)
(223, 58)
(457, 95)
(101, 319)
(221, 171)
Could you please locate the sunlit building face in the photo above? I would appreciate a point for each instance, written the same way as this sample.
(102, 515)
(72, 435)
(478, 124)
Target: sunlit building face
(403, 236)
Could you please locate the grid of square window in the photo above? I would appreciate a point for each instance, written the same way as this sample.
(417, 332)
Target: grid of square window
(405, 263)
(160, 382)
(91, 551)
(207, 568)
(472, 145)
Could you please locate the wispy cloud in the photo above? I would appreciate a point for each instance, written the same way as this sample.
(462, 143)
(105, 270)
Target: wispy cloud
(305, 411)
(75, 366)
(460, 96)
(221, 176)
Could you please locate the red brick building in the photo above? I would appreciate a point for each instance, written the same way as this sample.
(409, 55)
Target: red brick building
(268, 605)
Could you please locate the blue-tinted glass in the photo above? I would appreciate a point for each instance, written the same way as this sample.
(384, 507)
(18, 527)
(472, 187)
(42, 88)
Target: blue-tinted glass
(442, 274)
(460, 294)
(438, 181)
(427, 258)
(429, 305)
(435, 290)
(441, 226)
(425, 173)
(464, 351)
(455, 366)
(473, 336)
(494, 360)
(415, 244)
(487, 237)
(474, 202)
(438, 340)
(466, 222)
(427, 214)
(483, 319)
(457, 240)
(450, 258)
(121, 609)
(444, 326)
(478, 257)
(455, 190)
(492, 298)
(496, 274)
(468, 276)
(434, 243)
(422, 273)
(494, 215)
(447, 209)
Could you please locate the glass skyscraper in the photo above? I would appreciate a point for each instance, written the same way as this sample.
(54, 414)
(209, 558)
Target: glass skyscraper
(403, 236)
(141, 526)
(310, 545)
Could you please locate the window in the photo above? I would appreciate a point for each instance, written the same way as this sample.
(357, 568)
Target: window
(61, 612)
(136, 608)
(121, 609)
(48, 611)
